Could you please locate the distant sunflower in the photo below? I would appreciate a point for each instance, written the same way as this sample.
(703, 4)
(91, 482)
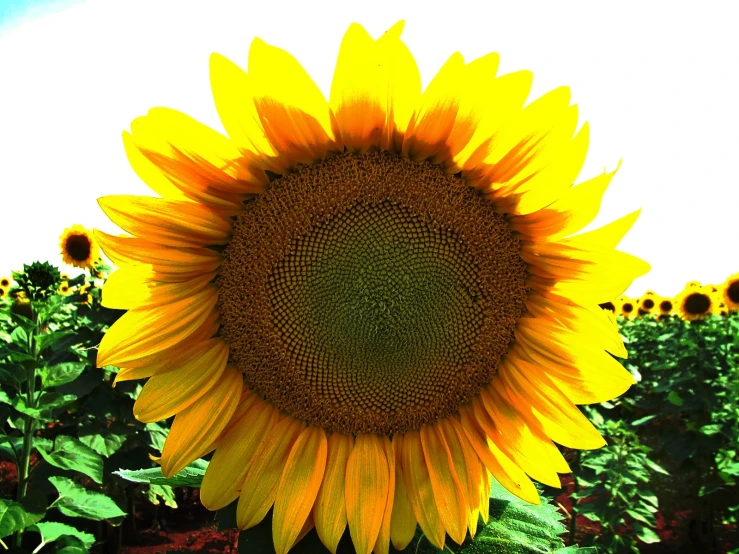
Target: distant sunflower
(730, 292)
(79, 247)
(696, 303)
(3, 292)
(64, 277)
(365, 304)
(5, 282)
(648, 303)
(666, 306)
(628, 307)
(64, 288)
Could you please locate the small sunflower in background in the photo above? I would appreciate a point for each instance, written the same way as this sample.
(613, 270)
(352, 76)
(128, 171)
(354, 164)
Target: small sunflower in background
(729, 291)
(3, 292)
(627, 307)
(78, 247)
(64, 288)
(447, 330)
(5, 282)
(666, 306)
(695, 303)
(64, 277)
(648, 303)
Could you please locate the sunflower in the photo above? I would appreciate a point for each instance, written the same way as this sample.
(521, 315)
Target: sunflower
(628, 307)
(64, 277)
(3, 292)
(666, 306)
(79, 247)
(366, 305)
(696, 303)
(5, 282)
(730, 292)
(64, 288)
(648, 303)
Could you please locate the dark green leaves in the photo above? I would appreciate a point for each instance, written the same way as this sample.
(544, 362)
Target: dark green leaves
(60, 374)
(50, 531)
(15, 516)
(191, 476)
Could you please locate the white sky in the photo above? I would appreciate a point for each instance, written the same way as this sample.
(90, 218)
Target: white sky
(658, 82)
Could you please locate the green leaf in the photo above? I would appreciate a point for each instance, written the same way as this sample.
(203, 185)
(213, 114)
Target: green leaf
(15, 516)
(60, 374)
(70, 453)
(105, 444)
(20, 337)
(165, 492)
(656, 467)
(645, 534)
(51, 400)
(191, 476)
(68, 544)
(76, 501)
(47, 339)
(12, 375)
(674, 398)
(9, 446)
(52, 530)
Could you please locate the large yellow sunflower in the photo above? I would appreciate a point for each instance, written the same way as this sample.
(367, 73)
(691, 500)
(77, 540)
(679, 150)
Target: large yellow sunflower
(367, 305)
(697, 303)
(79, 247)
(730, 292)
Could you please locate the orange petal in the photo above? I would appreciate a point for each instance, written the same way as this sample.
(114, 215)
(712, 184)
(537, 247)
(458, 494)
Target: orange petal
(169, 393)
(366, 492)
(145, 331)
(382, 546)
(449, 491)
(329, 512)
(259, 488)
(298, 487)
(132, 287)
(236, 451)
(420, 492)
(167, 222)
(402, 521)
(173, 264)
(196, 427)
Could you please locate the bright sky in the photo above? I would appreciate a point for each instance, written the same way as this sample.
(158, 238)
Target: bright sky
(658, 83)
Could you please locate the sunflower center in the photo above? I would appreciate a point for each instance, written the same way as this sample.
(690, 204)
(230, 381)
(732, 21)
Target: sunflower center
(665, 306)
(369, 293)
(648, 304)
(628, 308)
(733, 291)
(697, 303)
(78, 247)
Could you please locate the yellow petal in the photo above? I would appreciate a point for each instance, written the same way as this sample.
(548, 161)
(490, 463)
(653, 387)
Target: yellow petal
(420, 493)
(382, 546)
(298, 487)
(232, 94)
(434, 119)
(558, 417)
(167, 222)
(374, 90)
(169, 393)
(259, 488)
(366, 493)
(294, 113)
(449, 491)
(485, 494)
(236, 451)
(196, 427)
(145, 331)
(402, 521)
(507, 473)
(329, 512)
(132, 287)
(173, 264)
(607, 236)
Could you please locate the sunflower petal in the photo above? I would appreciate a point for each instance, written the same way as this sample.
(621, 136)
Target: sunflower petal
(420, 493)
(507, 473)
(167, 222)
(196, 427)
(449, 491)
(293, 112)
(236, 452)
(329, 512)
(382, 546)
(298, 488)
(169, 393)
(172, 264)
(366, 491)
(143, 332)
(132, 287)
(402, 520)
(259, 488)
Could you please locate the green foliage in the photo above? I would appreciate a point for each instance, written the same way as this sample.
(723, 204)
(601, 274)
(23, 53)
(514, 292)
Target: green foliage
(62, 423)
(191, 476)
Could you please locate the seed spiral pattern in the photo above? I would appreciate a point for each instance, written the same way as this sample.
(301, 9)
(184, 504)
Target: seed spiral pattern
(369, 293)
